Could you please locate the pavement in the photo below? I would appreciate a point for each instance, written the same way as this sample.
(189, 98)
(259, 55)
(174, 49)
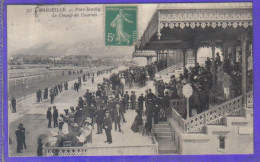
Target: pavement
(33, 117)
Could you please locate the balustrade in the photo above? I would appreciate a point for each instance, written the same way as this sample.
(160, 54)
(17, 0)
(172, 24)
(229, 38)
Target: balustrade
(250, 99)
(171, 68)
(150, 149)
(212, 116)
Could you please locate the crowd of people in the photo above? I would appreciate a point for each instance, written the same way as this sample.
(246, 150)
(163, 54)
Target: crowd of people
(138, 75)
(104, 107)
(109, 103)
(205, 93)
(53, 91)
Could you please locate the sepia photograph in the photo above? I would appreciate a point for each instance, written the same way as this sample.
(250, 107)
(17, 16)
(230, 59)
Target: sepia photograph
(130, 79)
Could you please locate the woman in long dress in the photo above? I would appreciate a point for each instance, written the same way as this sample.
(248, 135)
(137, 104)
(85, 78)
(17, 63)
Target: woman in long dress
(137, 122)
(118, 23)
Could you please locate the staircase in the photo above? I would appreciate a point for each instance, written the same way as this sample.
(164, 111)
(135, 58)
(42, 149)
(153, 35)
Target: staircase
(171, 69)
(163, 136)
(228, 127)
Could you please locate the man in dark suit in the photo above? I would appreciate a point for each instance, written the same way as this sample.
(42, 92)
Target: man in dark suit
(108, 127)
(80, 102)
(46, 93)
(55, 117)
(49, 117)
(78, 115)
(166, 104)
(99, 119)
(88, 97)
(117, 117)
(150, 95)
(141, 102)
(19, 138)
(52, 95)
(13, 102)
(98, 92)
(133, 100)
(22, 134)
(39, 95)
(126, 98)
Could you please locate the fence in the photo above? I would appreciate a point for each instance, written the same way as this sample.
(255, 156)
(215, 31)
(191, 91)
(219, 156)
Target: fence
(24, 101)
(27, 79)
(149, 149)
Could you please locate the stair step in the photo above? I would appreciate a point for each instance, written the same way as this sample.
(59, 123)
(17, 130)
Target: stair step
(167, 152)
(166, 146)
(159, 130)
(164, 137)
(163, 122)
(161, 125)
(163, 133)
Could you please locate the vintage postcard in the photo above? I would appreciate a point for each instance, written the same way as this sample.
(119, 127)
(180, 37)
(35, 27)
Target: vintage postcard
(130, 79)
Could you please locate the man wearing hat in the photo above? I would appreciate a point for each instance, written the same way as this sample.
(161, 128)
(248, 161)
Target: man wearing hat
(141, 102)
(19, 138)
(166, 103)
(22, 134)
(80, 102)
(78, 115)
(13, 102)
(104, 98)
(126, 98)
(149, 109)
(108, 127)
(55, 117)
(99, 119)
(39, 95)
(117, 117)
(98, 92)
(133, 100)
(88, 97)
(49, 117)
(150, 95)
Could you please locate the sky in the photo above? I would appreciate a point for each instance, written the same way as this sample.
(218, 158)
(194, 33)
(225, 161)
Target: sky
(40, 31)
(27, 29)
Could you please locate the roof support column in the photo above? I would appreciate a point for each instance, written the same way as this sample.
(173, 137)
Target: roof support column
(159, 28)
(225, 50)
(244, 68)
(157, 59)
(184, 50)
(213, 66)
(195, 50)
(234, 53)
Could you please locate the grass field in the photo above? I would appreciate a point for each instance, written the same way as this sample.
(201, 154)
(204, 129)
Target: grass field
(24, 89)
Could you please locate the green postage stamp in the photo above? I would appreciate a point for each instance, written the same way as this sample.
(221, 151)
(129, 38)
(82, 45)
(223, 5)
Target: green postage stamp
(120, 25)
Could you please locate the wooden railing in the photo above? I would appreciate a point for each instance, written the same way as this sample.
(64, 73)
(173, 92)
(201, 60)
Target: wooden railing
(149, 149)
(213, 115)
